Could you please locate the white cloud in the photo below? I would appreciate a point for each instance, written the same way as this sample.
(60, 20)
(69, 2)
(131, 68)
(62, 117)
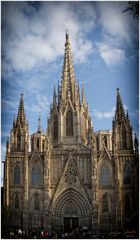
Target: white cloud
(115, 24)
(40, 104)
(111, 56)
(3, 151)
(102, 115)
(34, 36)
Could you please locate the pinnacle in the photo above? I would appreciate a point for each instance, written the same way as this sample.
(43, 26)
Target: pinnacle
(119, 107)
(39, 124)
(21, 113)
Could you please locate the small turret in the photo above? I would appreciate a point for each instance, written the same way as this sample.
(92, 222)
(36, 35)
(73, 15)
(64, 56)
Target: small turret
(38, 138)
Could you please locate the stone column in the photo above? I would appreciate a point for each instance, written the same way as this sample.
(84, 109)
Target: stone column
(26, 192)
(94, 188)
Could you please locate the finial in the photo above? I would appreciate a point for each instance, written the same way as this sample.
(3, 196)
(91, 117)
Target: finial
(67, 34)
(39, 123)
(117, 90)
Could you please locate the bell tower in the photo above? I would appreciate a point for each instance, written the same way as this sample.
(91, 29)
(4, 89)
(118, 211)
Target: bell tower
(19, 136)
(122, 130)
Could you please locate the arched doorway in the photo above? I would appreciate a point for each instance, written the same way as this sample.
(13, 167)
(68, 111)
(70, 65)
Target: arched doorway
(71, 214)
(71, 209)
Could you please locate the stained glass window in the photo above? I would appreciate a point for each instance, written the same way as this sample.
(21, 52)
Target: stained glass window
(105, 176)
(17, 175)
(126, 174)
(36, 176)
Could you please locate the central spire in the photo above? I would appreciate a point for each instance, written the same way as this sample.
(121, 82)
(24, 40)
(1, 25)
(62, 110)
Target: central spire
(68, 78)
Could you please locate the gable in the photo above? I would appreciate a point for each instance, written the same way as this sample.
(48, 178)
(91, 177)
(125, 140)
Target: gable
(70, 179)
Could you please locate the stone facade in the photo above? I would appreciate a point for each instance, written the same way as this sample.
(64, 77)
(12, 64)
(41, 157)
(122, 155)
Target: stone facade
(72, 176)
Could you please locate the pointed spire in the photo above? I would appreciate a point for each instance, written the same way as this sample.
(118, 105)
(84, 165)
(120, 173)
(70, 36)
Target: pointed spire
(39, 124)
(119, 107)
(14, 121)
(68, 79)
(54, 98)
(21, 113)
(83, 94)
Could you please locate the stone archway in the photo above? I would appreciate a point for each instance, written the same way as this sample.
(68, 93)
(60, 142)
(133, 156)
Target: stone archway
(71, 208)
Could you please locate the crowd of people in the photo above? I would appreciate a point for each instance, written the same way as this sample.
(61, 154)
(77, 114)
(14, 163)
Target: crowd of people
(78, 233)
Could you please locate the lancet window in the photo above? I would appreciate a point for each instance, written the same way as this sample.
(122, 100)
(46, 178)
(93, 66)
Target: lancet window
(69, 123)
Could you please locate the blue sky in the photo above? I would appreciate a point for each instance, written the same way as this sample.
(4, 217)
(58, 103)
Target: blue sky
(104, 44)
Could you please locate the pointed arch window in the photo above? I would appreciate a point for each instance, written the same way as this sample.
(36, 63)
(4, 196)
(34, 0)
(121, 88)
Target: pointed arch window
(55, 127)
(43, 145)
(127, 204)
(105, 176)
(17, 201)
(105, 203)
(69, 123)
(17, 174)
(36, 176)
(36, 201)
(18, 140)
(105, 141)
(126, 174)
(38, 144)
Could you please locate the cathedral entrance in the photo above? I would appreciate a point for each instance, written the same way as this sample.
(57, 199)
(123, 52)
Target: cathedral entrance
(70, 223)
(73, 209)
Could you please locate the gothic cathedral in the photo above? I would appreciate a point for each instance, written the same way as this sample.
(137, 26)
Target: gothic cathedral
(72, 176)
